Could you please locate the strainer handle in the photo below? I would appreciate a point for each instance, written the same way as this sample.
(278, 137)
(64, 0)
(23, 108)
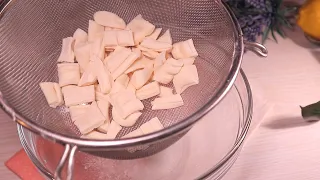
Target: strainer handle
(68, 154)
(256, 48)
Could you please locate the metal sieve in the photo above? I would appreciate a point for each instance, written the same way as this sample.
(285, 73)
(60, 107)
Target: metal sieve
(30, 42)
(192, 157)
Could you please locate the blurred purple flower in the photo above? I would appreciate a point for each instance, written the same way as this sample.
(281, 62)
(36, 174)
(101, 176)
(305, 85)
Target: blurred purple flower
(253, 16)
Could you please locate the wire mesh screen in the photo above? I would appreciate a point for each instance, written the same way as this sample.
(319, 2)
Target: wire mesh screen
(31, 33)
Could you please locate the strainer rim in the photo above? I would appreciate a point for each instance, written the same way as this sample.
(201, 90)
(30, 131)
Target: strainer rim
(149, 138)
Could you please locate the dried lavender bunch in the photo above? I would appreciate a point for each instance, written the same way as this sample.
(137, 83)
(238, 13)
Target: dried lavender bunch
(260, 17)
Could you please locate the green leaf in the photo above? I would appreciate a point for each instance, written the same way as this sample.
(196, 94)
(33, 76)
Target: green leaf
(279, 31)
(284, 22)
(273, 36)
(311, 110)
(281, 12)
(265, 35)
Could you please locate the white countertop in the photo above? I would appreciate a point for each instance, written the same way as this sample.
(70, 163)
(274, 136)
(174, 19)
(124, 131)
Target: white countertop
(284, 146)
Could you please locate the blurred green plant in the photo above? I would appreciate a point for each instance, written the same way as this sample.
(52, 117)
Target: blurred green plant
(263, 17)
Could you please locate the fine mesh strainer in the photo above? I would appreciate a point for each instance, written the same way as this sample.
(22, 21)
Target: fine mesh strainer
(30, 42)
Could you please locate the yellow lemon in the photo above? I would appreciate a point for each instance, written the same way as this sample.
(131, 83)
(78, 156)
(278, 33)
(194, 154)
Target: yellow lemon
(309, 18)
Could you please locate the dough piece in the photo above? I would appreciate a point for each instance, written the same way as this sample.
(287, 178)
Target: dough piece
(114, 60)
(104, 108)
(155, 45)
(109, 19)
(141, 77)
(166, 37)
(125, 38)
(188, 76)
(105, 127)
(125, 122)
(137, 50)
(74, 95)
(114, 129)
(110, 39)
(168, 55)
(95, 31)
(95, 135)
(68, 73)
(126, 64)
(67, 54)
(112, 53)
(122, 97)
(114, 38)
(80, 37)
(165, 91)
(103, 76)
(188, 61)
(120, 84)
(151, 126)
(108, 28)
(123, 80)
(97, 49)
(165, 73)
(129, 108)
(167, 102)
(52, 93)
(155, 33)
(160, 60)
(131, 88)
(91, 120)
(148, 91)
(89, 76)
(135, 133)
(126, 103)
(174, 62)
(146, 128)
(139, 64)
(102, 97)
(162, 76)
(156, 124)
(140, 28)
(76, 112)
(150, 53)
(172, 66)
(184, 49)
(82, 54)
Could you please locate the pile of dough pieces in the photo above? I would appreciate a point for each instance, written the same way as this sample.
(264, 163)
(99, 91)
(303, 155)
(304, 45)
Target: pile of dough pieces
(118, 65)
